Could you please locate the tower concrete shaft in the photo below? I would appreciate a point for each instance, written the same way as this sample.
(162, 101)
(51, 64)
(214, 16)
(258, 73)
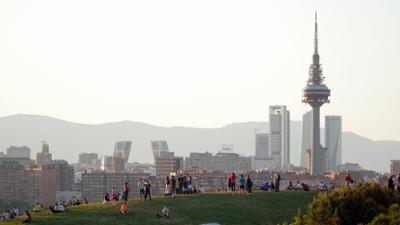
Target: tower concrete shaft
(316, 151)
(316, 94)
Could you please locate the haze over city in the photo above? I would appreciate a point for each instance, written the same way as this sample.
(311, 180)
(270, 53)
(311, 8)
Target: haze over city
(199, 64)
(227, 112)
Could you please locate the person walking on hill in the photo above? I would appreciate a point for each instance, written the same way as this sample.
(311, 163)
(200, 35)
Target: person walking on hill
(277, 182)
(125, 191)
(249, 185)
(233, 180)
(229, 183)
(398, 185)
(180, 184)
(113, 196)
(391, 184)
(173, 186)
(141, 188)
(378, 178)
(241, 184)
(167, 182)
(348, 180)
(147, 192)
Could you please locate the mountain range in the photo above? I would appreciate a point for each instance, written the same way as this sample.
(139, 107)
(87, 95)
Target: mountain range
(68, 139)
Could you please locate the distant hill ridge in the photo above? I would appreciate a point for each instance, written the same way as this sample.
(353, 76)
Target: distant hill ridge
(68, 139)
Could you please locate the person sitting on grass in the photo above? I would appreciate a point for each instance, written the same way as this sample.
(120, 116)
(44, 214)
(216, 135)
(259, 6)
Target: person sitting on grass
(77, 202)
(124, 208)
(57, 208)
(15, 212)
(26, 217)
(322, 186)
(265, 187)
(299, 186)
(165, 213)
(290, 187)
(38, 207)
(305, 187)
(106, 198)
(5, 216)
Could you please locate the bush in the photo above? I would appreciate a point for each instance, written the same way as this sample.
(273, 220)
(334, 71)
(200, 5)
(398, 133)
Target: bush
(348, 206)
(391, 218)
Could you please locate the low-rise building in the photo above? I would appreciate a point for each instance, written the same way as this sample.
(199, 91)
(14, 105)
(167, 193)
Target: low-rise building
(165, 165)
(95, 185)
(27, 184)
(394, 167)
(64, 174)
(225, 162)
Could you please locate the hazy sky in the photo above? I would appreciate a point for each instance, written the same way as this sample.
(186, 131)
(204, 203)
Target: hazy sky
(199, 63)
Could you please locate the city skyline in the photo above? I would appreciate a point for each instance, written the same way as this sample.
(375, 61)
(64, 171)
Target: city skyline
(100, 69)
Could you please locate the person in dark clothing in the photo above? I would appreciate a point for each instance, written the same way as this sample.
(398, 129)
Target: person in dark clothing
(348, 180)
(391, 184)
(77, 202)
(398, 185)
(147, 193)
(173, 185)
(277, 182)
(180, 184)
(184, 182)
(249, 185)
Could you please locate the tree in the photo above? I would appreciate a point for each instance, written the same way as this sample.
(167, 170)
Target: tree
(347, 206)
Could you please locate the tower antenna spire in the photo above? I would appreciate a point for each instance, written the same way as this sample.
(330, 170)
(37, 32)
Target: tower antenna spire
(316, 34)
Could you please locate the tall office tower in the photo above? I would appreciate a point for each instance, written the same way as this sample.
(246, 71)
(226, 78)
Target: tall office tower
(279, 131)
(106, 163)
(333, 141)
(19, 152)
(118, 164)
(159, 148)
(316, 94)
(262, 144)
(305, 138)
(44, 157)
(122, 149)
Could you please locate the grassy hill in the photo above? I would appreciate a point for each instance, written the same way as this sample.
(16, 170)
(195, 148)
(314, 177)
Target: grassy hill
(262, 208)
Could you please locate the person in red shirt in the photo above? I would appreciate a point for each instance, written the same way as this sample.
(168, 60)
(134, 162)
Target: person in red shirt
(348, 180)
(124, 208)
(233, 180)
(125, 191)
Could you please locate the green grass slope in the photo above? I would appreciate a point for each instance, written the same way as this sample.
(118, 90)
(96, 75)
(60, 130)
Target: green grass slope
(263, 208)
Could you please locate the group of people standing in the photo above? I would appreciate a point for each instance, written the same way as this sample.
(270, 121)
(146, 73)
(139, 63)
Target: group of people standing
(394, 183)
(183, 184)
(244, 184)
(144, 187)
